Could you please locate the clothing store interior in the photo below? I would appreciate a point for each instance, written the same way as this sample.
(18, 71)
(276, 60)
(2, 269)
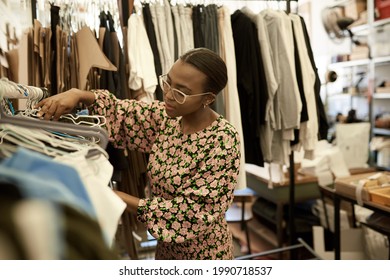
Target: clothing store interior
(307, 96)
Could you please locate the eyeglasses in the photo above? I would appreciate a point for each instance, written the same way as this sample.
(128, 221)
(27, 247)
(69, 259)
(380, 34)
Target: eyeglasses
(179, 96)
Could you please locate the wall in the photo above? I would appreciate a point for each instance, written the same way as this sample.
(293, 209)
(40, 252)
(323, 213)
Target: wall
(17, 14)
(323, 47)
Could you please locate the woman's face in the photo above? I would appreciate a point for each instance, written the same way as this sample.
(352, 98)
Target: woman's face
(189, 80)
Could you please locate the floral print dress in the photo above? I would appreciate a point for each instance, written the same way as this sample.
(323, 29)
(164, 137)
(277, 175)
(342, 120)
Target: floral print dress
(192, 176)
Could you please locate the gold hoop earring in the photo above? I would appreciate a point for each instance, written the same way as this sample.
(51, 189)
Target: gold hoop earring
(204, 106)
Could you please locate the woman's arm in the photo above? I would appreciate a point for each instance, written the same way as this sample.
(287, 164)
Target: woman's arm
(131, 201)
(130, 124)
(52, 108)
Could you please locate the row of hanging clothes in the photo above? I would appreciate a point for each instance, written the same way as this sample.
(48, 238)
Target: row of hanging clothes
(68, 53)
(273, 92)
(55, 198)
(278, 85)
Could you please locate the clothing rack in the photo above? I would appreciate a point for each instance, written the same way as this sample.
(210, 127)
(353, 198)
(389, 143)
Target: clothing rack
(291, 204)
(72, 129)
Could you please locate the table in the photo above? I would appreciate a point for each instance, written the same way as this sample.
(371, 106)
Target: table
(337, 198)
(306, 188)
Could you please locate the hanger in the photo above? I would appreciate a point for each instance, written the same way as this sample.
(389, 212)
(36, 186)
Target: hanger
(43, 142)
(71, 129)
(90, 120)
(11, 134)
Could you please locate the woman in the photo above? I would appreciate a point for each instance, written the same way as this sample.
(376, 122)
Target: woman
(194, 155)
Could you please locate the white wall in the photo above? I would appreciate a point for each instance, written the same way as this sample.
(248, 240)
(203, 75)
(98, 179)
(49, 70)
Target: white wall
(17, 14)
(323, 47)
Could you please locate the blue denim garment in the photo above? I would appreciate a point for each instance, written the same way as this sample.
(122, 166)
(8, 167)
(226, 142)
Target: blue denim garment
(38, 176)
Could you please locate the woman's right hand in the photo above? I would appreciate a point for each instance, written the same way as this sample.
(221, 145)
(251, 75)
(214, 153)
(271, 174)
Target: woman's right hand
(52, 108)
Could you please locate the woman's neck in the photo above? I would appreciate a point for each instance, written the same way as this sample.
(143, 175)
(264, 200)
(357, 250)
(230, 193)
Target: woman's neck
(198, 121)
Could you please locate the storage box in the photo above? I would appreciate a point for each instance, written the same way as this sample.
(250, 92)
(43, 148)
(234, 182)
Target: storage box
(381, 196)
(353, 8)
(359, 52)
(347, 186)
(383, 90)
(382, 9)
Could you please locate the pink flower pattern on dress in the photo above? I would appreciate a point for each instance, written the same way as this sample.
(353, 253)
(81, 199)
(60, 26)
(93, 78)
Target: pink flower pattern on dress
(192, 176)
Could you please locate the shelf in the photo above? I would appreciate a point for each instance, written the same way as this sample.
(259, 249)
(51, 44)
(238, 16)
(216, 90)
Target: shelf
(346, 95)
(382, 59)
(381, 22)
(351, 63)
(360, 62)
(381, 95)
(381, 131)
(359, 29)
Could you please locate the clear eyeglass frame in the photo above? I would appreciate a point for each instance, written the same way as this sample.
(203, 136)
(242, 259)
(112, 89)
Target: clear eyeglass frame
(179, 96)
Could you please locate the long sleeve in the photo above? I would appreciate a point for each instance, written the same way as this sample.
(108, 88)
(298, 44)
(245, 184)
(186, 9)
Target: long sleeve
(130, 124)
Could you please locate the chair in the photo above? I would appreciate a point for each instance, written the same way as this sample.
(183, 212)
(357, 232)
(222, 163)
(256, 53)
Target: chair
(241, 211)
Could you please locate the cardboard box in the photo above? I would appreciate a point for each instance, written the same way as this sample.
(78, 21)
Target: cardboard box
(354, 8)
(359, 52)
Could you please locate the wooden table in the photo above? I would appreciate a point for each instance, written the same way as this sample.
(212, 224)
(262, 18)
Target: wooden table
(338, 197)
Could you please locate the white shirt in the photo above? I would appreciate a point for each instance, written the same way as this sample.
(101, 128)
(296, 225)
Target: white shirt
(141, 60)
(232, 101)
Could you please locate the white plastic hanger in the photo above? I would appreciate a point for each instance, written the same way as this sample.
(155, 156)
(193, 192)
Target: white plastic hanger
(70, 129)
(94, 120)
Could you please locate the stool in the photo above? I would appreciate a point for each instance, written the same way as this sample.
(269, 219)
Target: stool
(241, 212)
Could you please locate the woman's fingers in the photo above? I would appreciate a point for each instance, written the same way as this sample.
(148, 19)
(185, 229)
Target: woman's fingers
(44, 107)
(52, 108)
(49, 110)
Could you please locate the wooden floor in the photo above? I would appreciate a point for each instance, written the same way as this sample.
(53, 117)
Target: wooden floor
(262, 239)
